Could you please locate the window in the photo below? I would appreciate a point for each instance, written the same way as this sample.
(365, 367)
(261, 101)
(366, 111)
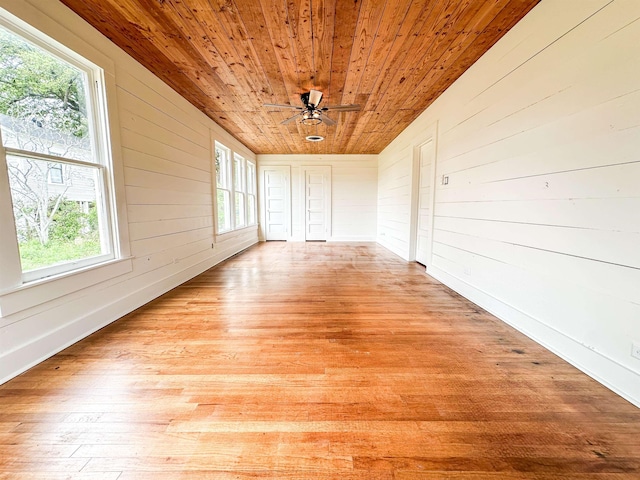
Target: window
(236, 190)
(251, 194)
(240, 183)
(223, 187)
(55, 173)
(55, 154)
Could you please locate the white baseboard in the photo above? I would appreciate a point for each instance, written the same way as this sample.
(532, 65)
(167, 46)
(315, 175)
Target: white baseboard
(352, 238)
(28, 355)
(604, 370)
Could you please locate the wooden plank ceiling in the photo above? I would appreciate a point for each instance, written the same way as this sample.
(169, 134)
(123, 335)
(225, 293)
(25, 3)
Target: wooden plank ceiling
(229, 57)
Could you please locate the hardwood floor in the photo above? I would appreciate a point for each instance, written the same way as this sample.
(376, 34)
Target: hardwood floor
(313, 361)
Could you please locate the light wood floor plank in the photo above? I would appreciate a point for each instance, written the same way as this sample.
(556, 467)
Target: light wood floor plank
(313, 361)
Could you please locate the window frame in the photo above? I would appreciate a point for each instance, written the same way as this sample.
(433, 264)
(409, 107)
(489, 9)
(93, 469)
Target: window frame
(252, 187)
(94, 105)
(18, 293)
(241, 186)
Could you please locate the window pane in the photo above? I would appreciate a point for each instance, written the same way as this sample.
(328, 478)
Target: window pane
(224, 211)
(55, 222)
(222, 168)
(251, 178)
(251, 210)
(55, 173)
(238, 173)
(43, 102)
(240, 212)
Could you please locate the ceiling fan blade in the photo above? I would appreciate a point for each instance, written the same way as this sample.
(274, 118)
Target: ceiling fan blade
(277, 105)
(315, 96)
(290, 119)
(327, 121)
(342, 108)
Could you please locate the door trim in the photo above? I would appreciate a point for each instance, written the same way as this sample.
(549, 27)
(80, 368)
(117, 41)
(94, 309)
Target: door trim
(262, 203)
(431, 136)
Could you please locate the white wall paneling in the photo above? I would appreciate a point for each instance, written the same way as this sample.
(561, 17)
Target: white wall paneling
(395, 181)
(164, 156)
(538, 222)
(353, 193)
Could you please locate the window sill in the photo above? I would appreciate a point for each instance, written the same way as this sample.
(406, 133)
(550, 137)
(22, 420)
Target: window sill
(237, 231)
(35, 293)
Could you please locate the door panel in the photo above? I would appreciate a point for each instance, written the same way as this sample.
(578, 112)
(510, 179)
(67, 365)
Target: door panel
(277, 203)
(317, 190)
(423, 231)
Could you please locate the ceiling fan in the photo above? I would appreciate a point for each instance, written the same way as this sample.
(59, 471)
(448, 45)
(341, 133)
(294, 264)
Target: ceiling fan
(310, 111)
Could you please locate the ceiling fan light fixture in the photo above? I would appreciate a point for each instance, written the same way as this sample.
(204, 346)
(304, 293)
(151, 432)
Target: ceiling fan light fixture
(311, 118)
(315, 138)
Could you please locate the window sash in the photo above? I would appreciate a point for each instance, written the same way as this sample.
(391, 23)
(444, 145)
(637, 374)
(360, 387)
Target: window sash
(251, 178)
(92, 82)
(223, 210)
(223, 166)
(104, 225)
(251, 205)
(240, 210)
(239, 181)
(251, 210)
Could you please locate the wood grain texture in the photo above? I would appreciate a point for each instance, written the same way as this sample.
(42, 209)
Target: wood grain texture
(308, 361)
(228, 58)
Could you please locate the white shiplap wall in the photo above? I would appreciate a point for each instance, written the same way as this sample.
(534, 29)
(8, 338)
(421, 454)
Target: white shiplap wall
(165, 157)
(540, 220)
(394, 200)
(353, 193)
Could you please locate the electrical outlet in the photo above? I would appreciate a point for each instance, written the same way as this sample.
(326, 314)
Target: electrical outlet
(635, 350)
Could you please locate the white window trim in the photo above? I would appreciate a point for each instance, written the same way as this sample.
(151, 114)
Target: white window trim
(252, 194)
(15, 294)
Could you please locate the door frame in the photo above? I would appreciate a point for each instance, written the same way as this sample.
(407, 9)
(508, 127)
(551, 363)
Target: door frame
(431, 136)
(262, 204)
(326, 171)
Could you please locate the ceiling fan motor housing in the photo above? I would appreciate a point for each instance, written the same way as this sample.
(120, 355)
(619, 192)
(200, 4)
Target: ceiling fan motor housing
(311, 99)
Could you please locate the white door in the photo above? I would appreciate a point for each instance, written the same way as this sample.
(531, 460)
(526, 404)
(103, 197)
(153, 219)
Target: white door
(423, 230)
(276, 202)
(317, 183)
